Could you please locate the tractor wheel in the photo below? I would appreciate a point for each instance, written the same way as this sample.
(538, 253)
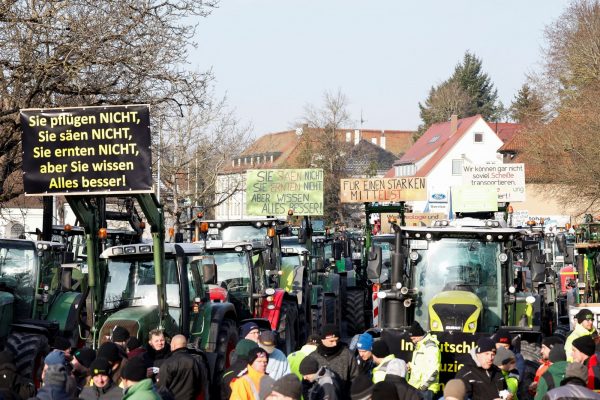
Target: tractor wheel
(355, 305)
(286, 329)
(530, 351)
(227, 338)
(329, 310)
(317, 317)
(29, 350)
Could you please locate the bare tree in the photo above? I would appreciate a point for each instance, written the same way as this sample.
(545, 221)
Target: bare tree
(88, 52)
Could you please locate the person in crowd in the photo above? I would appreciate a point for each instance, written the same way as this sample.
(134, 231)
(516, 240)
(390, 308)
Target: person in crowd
(111, 352)
(54, 383)
(120, 336)
(246, 385)
(331, 353)
(455, 390)
(319, 382)
(425, 364)
(384, 391)
(584, 327)
(573, 386)
(12, 384)
(60, 343)
(135, 382)
(81, 361)
(103, 387)
(555, 372)
(295, 358)
(364, 359)
(157, 351)
(181, 373)
(503, 338)
(396, 374)
(250, 331)
(506, 361)
(278, 364)
(594, 372)
(134, 347)
(362, 388)
(242, 350)
(287, 387)
(482, 379)
(381, 357)
(58, 357)
(582, 349)
(547, 344)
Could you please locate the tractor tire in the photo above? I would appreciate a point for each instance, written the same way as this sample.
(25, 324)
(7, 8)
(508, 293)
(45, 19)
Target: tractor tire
(286, 331)
(530, 351)
(329, 310)
(227, 339)
(317, 317)
(29, 350)
(355, 317)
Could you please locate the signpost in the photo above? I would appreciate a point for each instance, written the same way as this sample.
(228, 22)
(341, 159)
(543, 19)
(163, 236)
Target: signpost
(383, 190)
(507, 179)
(275, 191)
(80, 150)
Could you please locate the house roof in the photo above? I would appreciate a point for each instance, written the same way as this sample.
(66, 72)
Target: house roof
(514, 145)
(397, 142)
(505, 130)
(365, 154)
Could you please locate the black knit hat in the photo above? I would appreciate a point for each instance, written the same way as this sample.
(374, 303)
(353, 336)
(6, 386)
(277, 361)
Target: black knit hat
(584, 314)
(557, 353)
(416, 329)
(308, 366)
(380, 349)
(330, 330)
(133, 343)
(503, 337)
(485, 344)
(85, 356)
(134, 370)
(288, 385)
(253, 354)
(61, 343)
(551, 341)
(361, 388)
(100, 366)
(110, 351)
(120, 334)
(585, 344)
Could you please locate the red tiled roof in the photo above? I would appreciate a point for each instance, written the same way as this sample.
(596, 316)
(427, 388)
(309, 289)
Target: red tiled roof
(514, 145)
(397, 142)
(505, 130)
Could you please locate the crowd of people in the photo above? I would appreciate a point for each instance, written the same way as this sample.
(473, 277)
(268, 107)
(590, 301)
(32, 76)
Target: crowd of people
(324, 368)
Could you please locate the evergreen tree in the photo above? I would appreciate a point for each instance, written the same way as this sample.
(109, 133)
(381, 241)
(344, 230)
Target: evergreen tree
(527, 106)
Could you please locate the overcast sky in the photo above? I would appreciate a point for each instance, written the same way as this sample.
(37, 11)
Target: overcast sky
(272, 57)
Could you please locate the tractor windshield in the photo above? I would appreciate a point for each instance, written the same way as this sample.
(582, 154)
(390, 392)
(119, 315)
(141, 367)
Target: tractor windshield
(131, 282)
(17, 267)
(244, 233)
(452, 264)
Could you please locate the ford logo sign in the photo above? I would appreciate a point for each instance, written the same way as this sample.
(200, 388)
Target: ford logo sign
(438, 196)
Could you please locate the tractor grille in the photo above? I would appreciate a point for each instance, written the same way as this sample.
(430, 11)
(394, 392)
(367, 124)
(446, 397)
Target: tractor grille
(454, 316)
(107, 328)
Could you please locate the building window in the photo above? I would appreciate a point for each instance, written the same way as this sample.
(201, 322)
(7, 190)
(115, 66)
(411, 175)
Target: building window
(406, 170)
(457, 167)
(479, 138)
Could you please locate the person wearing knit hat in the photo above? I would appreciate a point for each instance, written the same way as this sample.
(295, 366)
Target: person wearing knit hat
(362, 388)
(396, 374)
(482, 379)
(84, 357)
(584, 327)
(120, 336)
(295, 358)
(330, 331)
(455, 390)
(288, 387)
(102, 386)
(364, 359)
(574, 384)
(250, 331)
(507, 362)
(111, 352)
(582, 349)
(547, 344)
(55, 357)
(239, 364)
(318, 382)
(502, 338)
(81, 361)
(246, 385)
(134, 347)
(135, 383)
(425, 363)
(555, 372)
(381, 357)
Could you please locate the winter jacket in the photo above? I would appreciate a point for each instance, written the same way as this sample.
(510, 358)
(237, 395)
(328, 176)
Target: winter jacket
(380, 370)
(52, 392)
(425, 365)
(326, 386)
(180, 373)
(481, 384)
(230, 374)
(512, 382)
(246, 386)
(109, 392)
(155, 358)
(572, 389)
(11, 381)
(143, 390)
(544, 365)
(295, 358)
(578, 332)
(594, 372)
(278, 365)
(403, 389)
(365, 367)
(342, 362)
(551, 378)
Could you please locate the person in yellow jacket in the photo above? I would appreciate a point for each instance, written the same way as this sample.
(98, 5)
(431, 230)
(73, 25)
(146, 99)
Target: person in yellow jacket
(246, 386)
(585, 326)
(425, 364)
(381, 357)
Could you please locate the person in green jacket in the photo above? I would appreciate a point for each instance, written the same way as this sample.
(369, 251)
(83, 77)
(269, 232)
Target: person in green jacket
(381, 357)
(585, 326)
(294, 359)
(137, 386)
(555, 372)
(426, 361)
(507, 362)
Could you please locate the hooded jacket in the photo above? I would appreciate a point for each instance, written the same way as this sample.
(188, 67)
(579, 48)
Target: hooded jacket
(481, 384)
(326, 386)
(341, 361)
(294, 359)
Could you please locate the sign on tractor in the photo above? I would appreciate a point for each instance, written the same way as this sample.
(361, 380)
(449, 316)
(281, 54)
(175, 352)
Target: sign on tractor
(508, 179)
(80, 150)
(361, 190)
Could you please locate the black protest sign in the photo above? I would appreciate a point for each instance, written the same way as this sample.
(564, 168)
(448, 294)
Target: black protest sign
(104, 150)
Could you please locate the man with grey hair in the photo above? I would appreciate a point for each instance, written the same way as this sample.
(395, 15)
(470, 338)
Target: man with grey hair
(396, 375)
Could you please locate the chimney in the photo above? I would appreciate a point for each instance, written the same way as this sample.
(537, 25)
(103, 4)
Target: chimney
(356, 136)
(453, 124)
(374, 141)
(382, 140)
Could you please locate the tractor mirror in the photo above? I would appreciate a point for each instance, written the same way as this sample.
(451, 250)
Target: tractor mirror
(374, 264)
(209, 274)
(302, 235)
(561, 243)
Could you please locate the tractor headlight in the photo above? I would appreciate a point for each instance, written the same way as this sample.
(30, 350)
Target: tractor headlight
(270, 291)
(404, 290)
(502, 257)
(414, 256)
(407, 303)
(512, 290)
(381, 295)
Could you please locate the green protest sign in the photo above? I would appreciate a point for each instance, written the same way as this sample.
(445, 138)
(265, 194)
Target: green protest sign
(474, 198)
(275, 191)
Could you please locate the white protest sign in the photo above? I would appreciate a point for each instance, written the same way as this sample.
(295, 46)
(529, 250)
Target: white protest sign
(508, 179)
